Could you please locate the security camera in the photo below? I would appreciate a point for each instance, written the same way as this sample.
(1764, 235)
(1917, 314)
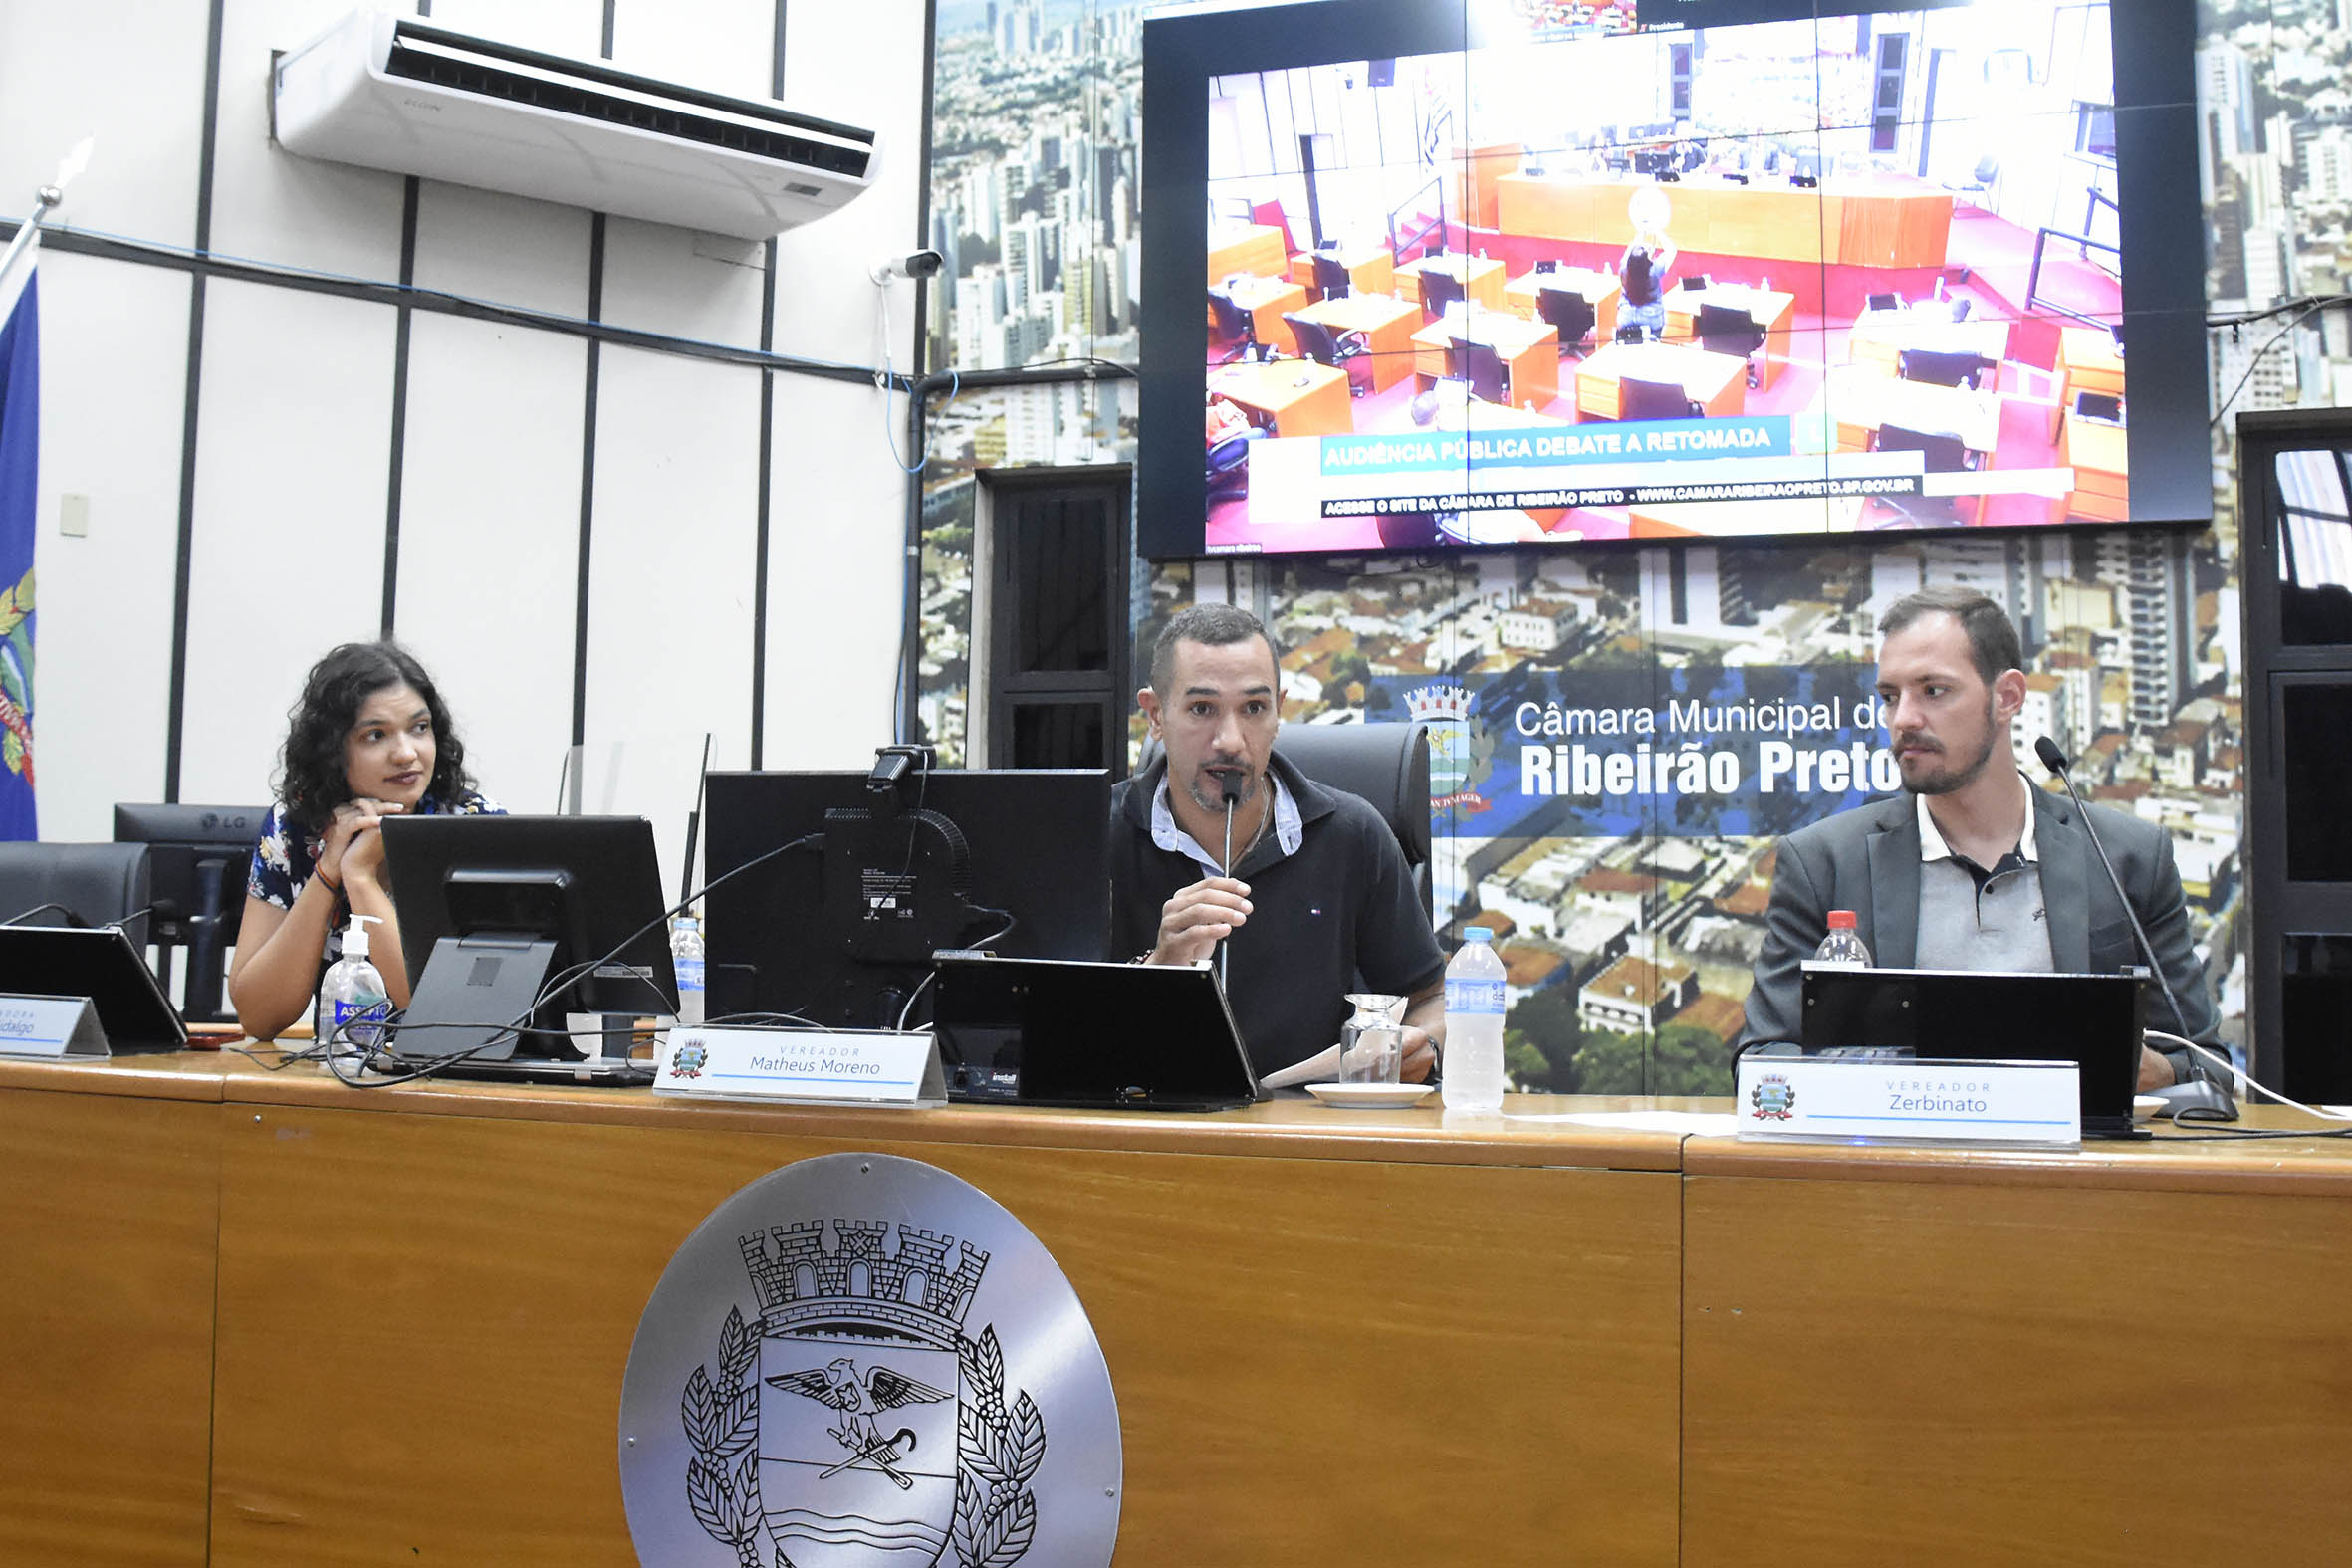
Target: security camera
(917, 264)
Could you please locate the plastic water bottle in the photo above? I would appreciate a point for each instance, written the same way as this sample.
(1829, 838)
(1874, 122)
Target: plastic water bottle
(352, 1006)
(1843, 945)
(686, 959)
(1474, 1025)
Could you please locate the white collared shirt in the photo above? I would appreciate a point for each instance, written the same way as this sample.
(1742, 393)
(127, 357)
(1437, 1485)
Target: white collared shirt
(1932, 845)
(1289, 831)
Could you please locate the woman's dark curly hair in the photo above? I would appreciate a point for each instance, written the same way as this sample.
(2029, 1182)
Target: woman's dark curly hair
(312, 780)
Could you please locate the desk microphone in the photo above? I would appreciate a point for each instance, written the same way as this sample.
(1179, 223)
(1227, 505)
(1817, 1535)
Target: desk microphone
(1224, 788)
(2055, 760)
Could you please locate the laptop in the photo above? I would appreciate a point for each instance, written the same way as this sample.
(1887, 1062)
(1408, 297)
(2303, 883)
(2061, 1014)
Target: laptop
(1104, 1036)
(2092, 1020)
(101, 964)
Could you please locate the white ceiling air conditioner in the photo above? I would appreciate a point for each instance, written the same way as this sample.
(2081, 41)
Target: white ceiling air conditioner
(390, 92)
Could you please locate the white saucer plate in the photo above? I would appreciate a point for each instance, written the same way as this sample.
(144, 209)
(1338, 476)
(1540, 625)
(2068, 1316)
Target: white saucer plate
(1363, 1095)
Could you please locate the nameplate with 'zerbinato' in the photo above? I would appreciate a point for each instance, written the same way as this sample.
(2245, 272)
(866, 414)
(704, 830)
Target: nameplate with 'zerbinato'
(803, 1066)
(1993, 1102)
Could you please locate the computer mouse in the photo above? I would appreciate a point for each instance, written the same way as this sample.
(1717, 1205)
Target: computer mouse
(2199, 1100)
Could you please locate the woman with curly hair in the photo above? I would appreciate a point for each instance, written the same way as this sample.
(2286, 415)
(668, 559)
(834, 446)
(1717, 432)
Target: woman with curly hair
(369, 739)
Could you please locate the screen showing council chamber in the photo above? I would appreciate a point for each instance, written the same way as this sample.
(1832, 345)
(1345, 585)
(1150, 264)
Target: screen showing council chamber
(1591, 279)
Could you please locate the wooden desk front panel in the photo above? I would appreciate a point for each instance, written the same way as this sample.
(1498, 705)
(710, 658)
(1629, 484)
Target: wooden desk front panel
(425, 1321)
(105, 1326)
(1895, 223)
(1939, 1372)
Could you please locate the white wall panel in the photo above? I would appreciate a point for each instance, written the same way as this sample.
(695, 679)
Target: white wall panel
(724, 45)
(837, 527)
(490, 540)
(113, 349)
(704, 287)
(670, 584)
(267, 205)
(561, 26)
(861, 65)
(127, 72)
(486, 244)
(293, 447)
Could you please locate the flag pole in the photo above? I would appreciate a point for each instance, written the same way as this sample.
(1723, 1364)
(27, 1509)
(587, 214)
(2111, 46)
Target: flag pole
(45, 201)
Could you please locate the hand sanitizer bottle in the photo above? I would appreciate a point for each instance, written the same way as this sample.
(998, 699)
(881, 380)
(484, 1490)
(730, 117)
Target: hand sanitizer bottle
(352, 1006)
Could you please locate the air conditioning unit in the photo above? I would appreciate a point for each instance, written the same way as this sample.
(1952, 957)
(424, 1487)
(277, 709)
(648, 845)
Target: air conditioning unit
(390, 92)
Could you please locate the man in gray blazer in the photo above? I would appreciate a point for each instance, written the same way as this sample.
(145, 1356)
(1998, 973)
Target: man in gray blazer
(1972, 867)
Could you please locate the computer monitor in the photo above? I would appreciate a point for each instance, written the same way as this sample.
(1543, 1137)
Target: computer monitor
(493, 909)
(839, 932)
(198, 859)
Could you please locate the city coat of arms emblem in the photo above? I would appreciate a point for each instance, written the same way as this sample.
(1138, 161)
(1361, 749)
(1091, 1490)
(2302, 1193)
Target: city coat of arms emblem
(1774, 1098)
(865, 1410)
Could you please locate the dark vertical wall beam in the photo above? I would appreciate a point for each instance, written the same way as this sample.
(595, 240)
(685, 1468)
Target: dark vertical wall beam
(175, 732)
(760, 539)
(399, 442)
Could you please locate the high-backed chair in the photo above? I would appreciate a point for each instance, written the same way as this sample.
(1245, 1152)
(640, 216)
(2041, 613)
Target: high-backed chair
(1567, 311)
(1884, 301)
(1480, 366)
(1385, 765)
(1228, 465)
(1695, 281)
(91, 885)
(1340, 351)
(1729, 329)
(1640, 400)
(1234, 325)
(1440, 290)
(1941, 452)
(1943, 368)
(1330, 276)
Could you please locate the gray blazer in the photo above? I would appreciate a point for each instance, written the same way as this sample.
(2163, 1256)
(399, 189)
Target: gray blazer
(1867, 860)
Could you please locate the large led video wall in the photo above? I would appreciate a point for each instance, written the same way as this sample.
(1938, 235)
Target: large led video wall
(1515, 272)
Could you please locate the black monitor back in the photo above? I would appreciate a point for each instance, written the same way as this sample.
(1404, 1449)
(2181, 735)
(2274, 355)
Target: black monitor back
(468, 876)
(2092, 1020)
(1039, 848)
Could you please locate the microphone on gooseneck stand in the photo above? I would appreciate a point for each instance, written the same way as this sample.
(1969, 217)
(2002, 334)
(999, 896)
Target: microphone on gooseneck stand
(2055, 760)
(1225, 787)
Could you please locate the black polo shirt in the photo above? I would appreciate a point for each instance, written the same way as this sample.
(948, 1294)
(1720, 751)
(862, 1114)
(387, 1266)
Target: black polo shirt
(1341, 915)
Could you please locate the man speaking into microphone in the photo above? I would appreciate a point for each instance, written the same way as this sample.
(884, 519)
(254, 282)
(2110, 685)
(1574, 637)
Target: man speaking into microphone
(1972, 867)
(1223, 841)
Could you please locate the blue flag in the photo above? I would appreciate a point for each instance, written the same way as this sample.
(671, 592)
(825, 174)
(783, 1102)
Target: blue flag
(20, 455)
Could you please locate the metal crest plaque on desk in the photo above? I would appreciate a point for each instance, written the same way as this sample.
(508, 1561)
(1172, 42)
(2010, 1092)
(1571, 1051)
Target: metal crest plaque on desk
(863, 1360)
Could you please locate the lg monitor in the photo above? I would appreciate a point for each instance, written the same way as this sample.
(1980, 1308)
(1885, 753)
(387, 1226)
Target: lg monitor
(198, 859)
(839, 929)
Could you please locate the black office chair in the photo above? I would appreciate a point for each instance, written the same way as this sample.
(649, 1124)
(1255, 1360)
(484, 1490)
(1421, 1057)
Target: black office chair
(86, 885)
(1728, 329)
(1236, 326)
(1640, 400)
(1385, 765)
(1567, 312)
(1480, 366)
(1941, 452)
(1439, 289)
(1943, 368)
(1228, 465)
(1695, 281)
(1547, 266)
(1347, 351)
(1884, 301)
(1330, 276)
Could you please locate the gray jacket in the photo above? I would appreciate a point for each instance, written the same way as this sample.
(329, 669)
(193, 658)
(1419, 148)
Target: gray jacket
(1867, 860)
